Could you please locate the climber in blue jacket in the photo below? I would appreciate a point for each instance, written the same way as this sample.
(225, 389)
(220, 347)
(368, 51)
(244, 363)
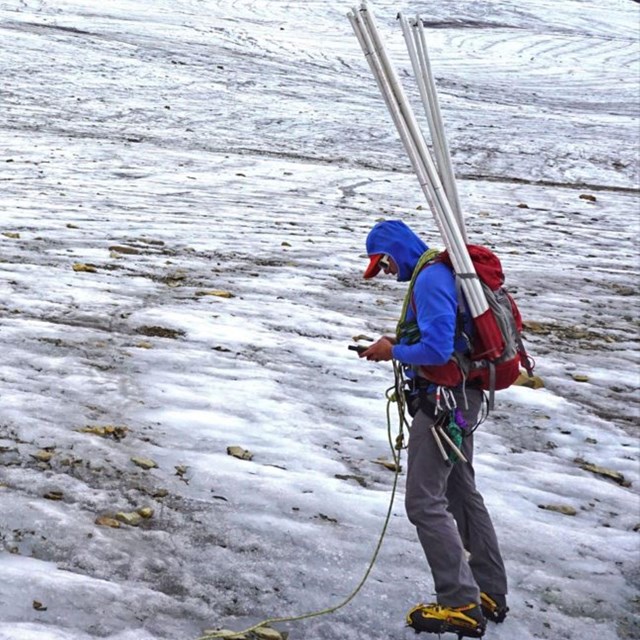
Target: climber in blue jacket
(441, 499)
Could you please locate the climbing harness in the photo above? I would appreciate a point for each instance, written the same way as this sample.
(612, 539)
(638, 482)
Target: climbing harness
(395, 395)
(450, 426)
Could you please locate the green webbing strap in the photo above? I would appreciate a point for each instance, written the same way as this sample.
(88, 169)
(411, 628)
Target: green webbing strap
(425, 258)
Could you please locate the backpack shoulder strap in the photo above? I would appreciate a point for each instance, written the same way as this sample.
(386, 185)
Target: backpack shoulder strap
(428, 257)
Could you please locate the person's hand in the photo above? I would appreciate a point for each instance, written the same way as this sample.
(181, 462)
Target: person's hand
(380, 350)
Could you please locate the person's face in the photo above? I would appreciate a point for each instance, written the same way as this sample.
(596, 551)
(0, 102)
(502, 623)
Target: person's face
(388, 265)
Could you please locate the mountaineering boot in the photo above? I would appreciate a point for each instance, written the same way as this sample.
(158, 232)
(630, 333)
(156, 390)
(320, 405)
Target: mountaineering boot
(494, 606)
(467, 621)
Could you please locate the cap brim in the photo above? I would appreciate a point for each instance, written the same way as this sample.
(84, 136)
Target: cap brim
(374, 265)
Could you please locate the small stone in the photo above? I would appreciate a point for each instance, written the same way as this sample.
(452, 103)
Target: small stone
(559, 508)
(218, 293)
(580, 377)
(588, 197)
(133, 519)
(239, 452)
(361, 336)
(160, 332)
(388, 464)
(124, 249)
(144, 463)
(530, 382)
(536, 327)
(359, 479)
(53, 495)
(42, 455)
(107, 521)
(602, 471)
(86, 268)
(107, 431)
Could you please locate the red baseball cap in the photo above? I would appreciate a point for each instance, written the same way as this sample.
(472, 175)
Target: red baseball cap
(374, 265)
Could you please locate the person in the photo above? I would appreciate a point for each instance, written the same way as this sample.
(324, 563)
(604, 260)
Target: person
(442, 500)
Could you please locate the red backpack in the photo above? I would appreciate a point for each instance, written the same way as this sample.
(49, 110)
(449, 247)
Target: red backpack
(496, 348)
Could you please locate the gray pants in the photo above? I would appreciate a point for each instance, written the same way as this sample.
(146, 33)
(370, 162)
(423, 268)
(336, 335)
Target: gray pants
(450, 515)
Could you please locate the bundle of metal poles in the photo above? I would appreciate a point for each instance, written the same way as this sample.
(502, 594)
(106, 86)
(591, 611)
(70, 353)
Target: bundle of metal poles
(436, 180)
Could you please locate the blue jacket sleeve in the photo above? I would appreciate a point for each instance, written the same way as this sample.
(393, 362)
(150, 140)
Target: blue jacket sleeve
(435, 299)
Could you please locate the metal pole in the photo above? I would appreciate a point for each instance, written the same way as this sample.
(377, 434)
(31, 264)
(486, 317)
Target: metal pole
(417, 70)
(416, 48)
(382, 80)
(438, 139)
(434, 107)
(428, 175)
(436, 192)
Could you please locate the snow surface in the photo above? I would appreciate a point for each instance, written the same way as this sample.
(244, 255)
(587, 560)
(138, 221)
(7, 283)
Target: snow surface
(190, 147)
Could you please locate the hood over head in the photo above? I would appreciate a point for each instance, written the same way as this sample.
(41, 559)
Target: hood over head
(394, 238)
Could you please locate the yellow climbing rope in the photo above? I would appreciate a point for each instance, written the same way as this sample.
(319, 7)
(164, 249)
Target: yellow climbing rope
(395, 395)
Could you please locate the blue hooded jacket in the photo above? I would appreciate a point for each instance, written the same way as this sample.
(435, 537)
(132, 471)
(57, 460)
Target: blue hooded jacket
(434, 295)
